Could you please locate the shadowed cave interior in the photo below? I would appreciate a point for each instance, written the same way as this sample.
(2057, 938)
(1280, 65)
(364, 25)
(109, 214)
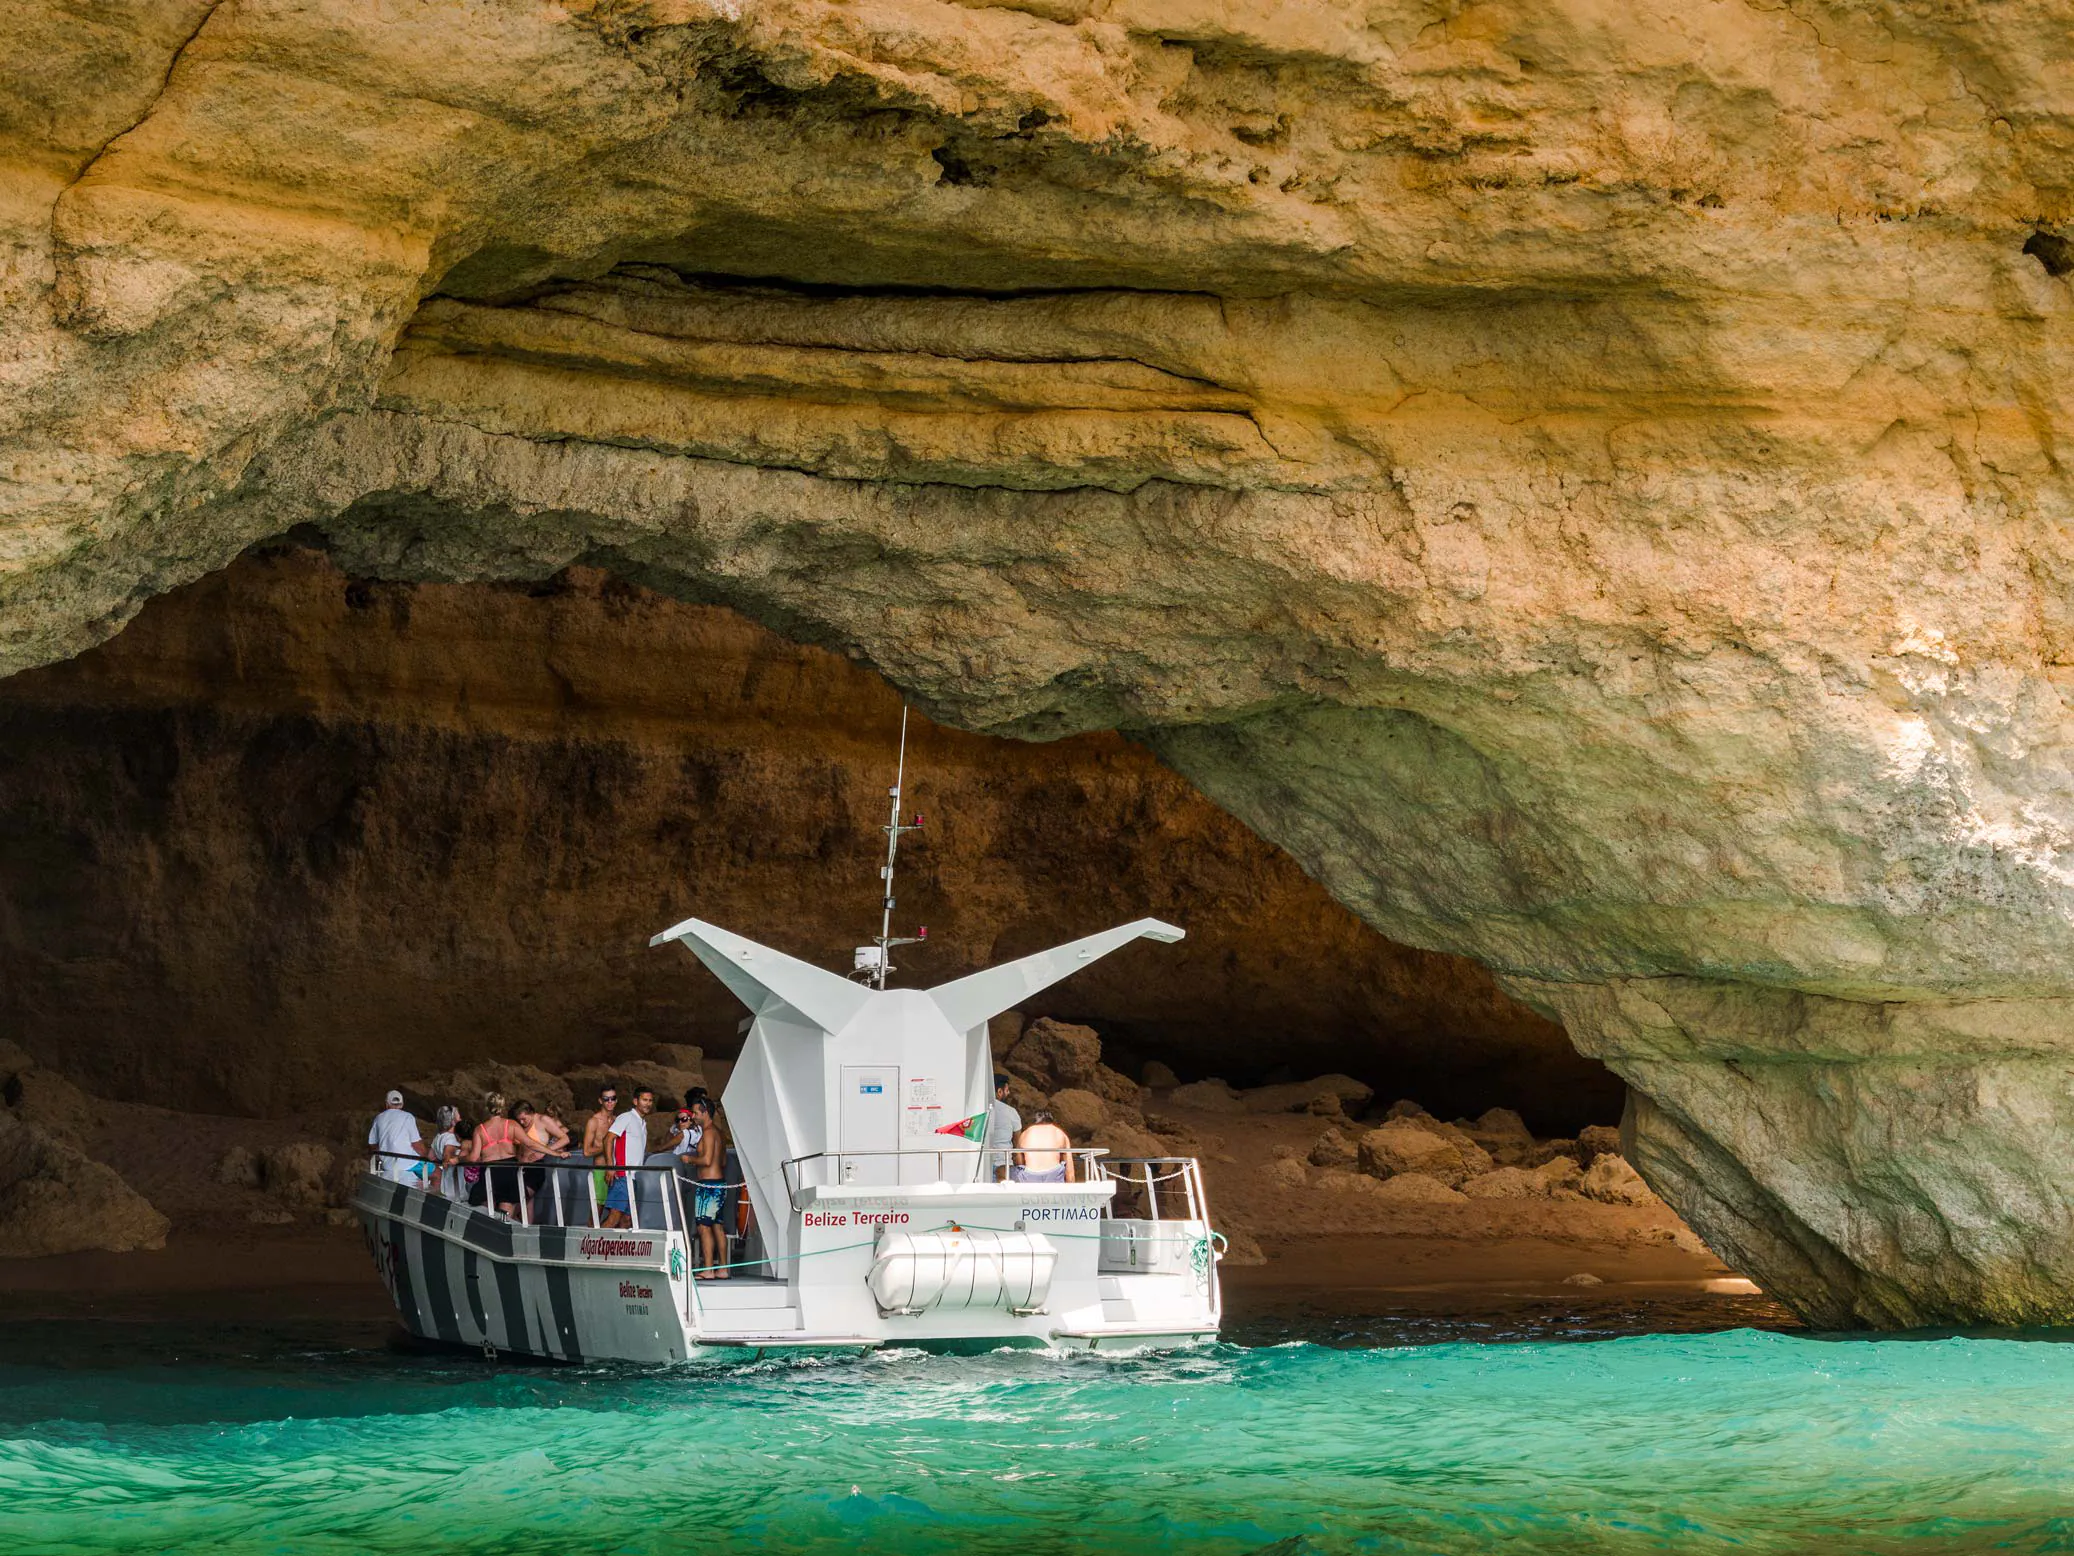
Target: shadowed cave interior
(291, 835)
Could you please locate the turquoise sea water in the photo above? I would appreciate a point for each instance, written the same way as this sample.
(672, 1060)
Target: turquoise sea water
(1740, 1441)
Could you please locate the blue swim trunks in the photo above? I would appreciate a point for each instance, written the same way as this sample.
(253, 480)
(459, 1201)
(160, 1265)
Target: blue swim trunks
(616, 1196)
(707, 1200)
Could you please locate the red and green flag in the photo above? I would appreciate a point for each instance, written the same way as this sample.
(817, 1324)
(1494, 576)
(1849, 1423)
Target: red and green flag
(973, 1128)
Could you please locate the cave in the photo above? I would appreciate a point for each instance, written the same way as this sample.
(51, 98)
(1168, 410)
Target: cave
(1589, 495)
(292, 836)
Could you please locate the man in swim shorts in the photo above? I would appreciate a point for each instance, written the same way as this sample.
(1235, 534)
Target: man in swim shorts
(1043, 1153)
(597, 1129)
(708, 1188)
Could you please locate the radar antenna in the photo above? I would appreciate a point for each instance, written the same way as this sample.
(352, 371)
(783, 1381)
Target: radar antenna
(874, 961)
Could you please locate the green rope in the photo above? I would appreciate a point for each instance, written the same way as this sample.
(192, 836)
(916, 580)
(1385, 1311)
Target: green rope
(790, 1258)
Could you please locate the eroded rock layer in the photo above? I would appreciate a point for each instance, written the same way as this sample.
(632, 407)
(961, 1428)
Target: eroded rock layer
(1588, 482)
(291, 834)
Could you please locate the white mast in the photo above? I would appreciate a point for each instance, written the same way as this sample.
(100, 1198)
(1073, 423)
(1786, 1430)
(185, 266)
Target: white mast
(876, 960)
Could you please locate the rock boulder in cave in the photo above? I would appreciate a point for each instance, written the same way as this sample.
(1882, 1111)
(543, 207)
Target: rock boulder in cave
(1586, 483)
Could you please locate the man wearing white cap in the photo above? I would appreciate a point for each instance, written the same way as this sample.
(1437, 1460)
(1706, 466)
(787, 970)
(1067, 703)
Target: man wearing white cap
(395, 1133)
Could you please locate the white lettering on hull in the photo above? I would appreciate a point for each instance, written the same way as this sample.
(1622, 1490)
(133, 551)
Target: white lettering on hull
(617, 1247)
(862, 1218)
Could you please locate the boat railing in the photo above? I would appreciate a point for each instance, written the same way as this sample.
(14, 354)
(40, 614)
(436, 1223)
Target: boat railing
(550, 1191)
(908, 1169)
(1166, 1188)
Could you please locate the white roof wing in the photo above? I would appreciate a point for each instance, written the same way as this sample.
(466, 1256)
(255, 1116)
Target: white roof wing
(967, 1002)
(770, 982)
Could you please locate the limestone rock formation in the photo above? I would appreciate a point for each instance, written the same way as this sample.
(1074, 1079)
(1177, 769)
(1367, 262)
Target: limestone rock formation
(1611, 1180)
(1052, 1054)
(1890, 1164)
(238, 1168)
(1587, 481)
(1597, 1140)
(1286, 1173)
(296, 1173)
(1507, 1183)
(1560, 1174)
(1333, 1149)
(54, 1198)
(1124, 1140)
(37, 1095)
(1418, 1188)
(1338, 1180)
(1079, 1113)
(1400, 1148)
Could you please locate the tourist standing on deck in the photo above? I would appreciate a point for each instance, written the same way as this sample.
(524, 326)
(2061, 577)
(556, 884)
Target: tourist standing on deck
(448, 1152)
(1043, 1153)
(653, 1191)
(597, 1129)
(627, 1146)
(496, 1141)
(543, 1138)
(1003, 1125)
(396, 1135)
(709, 1189)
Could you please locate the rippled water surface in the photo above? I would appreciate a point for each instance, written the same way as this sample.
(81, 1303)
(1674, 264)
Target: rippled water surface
(115, 1438)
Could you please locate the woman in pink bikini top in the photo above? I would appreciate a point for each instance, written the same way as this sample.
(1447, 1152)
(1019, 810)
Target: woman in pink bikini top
(496, 1140)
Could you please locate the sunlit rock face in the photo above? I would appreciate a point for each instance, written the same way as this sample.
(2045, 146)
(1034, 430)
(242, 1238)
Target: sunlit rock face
(1585, 481)
(1890, 1164)
(292, 834)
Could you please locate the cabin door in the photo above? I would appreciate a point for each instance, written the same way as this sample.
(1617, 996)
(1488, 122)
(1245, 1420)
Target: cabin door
(870, 1123)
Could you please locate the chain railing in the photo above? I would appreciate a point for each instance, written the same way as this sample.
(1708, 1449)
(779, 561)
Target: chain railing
(1149, 1176)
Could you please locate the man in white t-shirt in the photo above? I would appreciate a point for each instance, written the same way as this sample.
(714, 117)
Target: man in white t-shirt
(396, 1134)
(627, 1146)
(1003, 1125)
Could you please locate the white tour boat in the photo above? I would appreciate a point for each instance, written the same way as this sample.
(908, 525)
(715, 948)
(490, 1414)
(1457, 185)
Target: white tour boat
(874, 1217)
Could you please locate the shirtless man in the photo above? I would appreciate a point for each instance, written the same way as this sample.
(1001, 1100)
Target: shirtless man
(595, 1129)
(709, 1189)
(1043, 1153)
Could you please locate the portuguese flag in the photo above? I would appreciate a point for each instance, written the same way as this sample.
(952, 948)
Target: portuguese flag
(973, 1128)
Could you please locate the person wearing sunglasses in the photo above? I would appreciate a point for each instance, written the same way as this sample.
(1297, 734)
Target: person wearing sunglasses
(595, 1129)
(676, 1151)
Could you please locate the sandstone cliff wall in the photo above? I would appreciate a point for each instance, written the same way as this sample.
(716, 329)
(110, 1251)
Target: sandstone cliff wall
(1589, 482)
(291, 834)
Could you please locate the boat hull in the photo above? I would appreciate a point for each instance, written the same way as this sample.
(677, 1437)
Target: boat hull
(463, 1277)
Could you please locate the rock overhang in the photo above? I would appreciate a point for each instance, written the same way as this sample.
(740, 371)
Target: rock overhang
(1590, 489)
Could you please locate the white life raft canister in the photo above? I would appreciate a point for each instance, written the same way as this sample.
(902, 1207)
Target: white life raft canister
(914, 1272)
